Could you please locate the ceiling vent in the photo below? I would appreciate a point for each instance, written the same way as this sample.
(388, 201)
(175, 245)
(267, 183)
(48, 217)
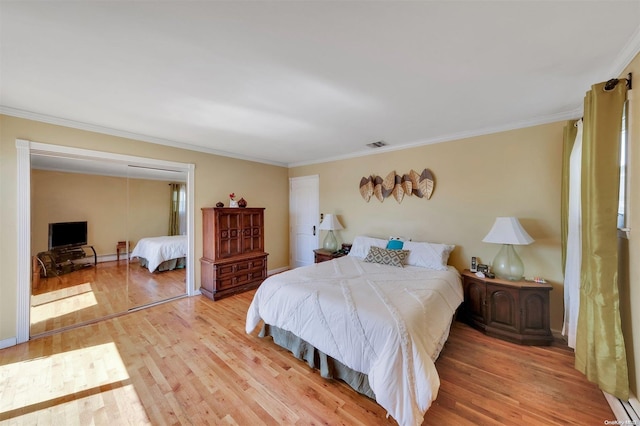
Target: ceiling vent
(378, 144)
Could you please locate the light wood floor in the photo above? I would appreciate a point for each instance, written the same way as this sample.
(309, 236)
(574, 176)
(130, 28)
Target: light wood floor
(190, 362)
(99, 291)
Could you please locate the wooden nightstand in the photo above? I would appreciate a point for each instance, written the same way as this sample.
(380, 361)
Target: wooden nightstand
(322, 255)
(517, 311)
(124, 246)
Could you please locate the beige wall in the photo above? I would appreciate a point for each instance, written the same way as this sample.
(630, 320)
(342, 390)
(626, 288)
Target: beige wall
(115, 208)
(215, 177)
(514, 173)
(630, 289)
(148, 212)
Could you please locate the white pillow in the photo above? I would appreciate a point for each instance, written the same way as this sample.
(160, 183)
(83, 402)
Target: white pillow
(428, 255)
(362, 244)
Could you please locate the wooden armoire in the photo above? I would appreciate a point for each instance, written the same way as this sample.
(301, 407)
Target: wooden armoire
(233, 258)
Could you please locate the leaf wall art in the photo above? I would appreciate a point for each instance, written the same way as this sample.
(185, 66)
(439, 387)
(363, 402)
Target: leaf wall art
(421, 185)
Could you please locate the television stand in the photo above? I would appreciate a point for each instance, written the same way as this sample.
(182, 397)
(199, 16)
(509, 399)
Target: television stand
(61, 261)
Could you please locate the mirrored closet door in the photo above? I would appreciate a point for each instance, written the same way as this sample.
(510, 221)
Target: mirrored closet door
(90, 220)
(157, 235)
(78, 206)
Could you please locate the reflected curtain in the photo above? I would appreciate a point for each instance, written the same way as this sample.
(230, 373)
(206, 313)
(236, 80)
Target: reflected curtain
(177, 209)
(600, 349)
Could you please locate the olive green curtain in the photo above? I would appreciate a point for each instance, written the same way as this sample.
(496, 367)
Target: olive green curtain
(600, 349)
(174, 209)
(569, 138)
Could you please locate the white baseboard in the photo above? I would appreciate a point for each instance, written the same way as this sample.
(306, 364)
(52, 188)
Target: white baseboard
(277, 270)
(103, 258)
(112, 257)
(12, 341)
(635, 406)
(626, 412)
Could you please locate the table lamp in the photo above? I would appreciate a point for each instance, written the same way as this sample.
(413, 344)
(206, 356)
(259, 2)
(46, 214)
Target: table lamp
(330, 223)
(508, 231)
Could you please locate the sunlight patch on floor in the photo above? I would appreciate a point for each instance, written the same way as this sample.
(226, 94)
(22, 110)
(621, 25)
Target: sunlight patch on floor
(52, 296)
(98, 409)
(62, 306)
(94, 379)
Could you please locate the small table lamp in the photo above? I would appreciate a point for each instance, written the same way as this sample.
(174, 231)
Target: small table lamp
(330, 223)
(508, 231)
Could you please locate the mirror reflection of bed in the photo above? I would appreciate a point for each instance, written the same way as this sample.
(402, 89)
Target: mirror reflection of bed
(152, 259)
(129, 204)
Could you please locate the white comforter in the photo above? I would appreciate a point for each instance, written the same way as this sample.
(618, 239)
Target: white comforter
(384, 321)
(158, 249)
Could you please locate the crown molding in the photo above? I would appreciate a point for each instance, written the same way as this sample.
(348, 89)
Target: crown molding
(626, 54)
(446, 138)
(124, 134)
(567, 115)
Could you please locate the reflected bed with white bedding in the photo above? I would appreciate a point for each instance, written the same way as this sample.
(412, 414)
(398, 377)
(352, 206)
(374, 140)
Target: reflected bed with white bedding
(386, 322)
(161, 253)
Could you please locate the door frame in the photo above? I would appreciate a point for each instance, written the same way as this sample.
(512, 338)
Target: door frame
(24, 149)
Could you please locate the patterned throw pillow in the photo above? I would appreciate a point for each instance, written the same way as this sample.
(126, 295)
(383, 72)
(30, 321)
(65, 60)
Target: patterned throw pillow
(386, 257)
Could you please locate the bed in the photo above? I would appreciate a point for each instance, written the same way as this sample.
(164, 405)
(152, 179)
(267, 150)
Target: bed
(383, 325)
(161, 253)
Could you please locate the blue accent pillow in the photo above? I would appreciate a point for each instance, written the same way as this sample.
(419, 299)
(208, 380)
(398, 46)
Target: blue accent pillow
(395, 245)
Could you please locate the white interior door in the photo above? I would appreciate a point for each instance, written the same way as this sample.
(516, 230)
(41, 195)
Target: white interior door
(304, 208)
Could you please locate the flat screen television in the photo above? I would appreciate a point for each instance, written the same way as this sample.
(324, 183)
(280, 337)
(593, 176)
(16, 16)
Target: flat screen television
(67, 234)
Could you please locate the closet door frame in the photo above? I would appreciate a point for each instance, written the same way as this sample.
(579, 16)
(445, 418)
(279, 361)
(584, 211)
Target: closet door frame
(24, 150)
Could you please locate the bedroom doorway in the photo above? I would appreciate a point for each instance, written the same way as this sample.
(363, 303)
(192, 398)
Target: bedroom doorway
(304, 207)
(111, 284)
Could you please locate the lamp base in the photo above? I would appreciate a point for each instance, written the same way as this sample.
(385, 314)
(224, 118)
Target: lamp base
(507, 264)
(330, 242)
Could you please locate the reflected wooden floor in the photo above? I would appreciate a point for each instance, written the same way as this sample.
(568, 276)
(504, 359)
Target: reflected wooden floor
(190, 361)
(99, 291)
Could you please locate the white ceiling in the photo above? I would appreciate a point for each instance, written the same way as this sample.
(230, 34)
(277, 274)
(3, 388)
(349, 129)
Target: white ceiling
(296, 82)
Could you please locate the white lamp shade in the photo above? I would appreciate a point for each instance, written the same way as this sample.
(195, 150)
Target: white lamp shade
(507, 230)
(330, 223)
